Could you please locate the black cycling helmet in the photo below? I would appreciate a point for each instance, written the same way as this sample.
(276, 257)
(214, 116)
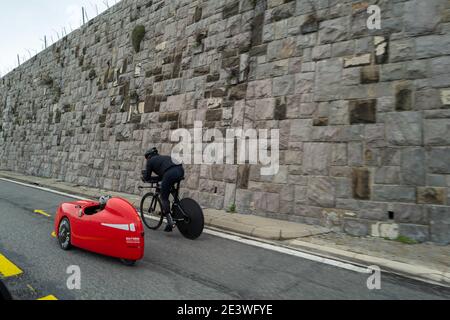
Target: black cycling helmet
(150, 153)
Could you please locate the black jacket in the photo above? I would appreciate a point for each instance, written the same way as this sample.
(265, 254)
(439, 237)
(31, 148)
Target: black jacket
(159, 165)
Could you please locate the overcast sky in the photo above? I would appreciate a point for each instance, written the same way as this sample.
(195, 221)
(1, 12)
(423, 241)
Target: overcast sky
(23, 23)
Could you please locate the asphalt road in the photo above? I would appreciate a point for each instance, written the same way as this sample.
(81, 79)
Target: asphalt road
(173, 268)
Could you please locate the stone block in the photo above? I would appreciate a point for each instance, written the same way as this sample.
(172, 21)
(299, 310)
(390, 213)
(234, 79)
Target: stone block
(445, 97)
(339, 154)
(300, 194)
(436, 180)
(422, 17)
(334, 30)
(387, 175)
(355, 227)
(385, 230)
(304, 82)
(321, 52)
(280, 109)
(438, 160)
(381, 50)
(391, 193)
(439, 224)
(401, 50)
(243, 176)
(283, 86)
(432, 195)
(343, 48)
(316, 157)
(339, 113)
(257, 29)
(321, 192)
(404, 128)
(300, 130)
(259, 89)
(343, 188)
(417, 69)
(264, 108)
(355, 154)
(409, 213)
(310, 25)
(230, 194)
(431, 46)
(370, 74)
(176, 103)
(351, 76)
(361, 183)
(376, 211)
(374, 134)
(403, 99)
(412, 165)
(328, 79)
(415, 232)
(363, 111)
(393, 71)
(390, 156)
(238, 92)
(437, 132)
(267, 201)
(293, 157)
(231, 9)
(360, 60)
(283, 12)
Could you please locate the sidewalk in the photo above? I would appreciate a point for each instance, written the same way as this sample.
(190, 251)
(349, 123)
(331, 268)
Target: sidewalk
(426, 262)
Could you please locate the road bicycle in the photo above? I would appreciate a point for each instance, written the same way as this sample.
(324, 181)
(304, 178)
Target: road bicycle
(186, 213)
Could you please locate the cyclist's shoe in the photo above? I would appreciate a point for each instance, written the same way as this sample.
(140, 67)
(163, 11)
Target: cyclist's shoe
(168, 228)
(170, 224)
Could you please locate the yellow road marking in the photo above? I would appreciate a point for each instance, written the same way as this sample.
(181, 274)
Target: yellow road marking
(42, 212)
(50, 297)
(54, 234)
(7, 268)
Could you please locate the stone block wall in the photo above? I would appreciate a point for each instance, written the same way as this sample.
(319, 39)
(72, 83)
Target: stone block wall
(364, 115)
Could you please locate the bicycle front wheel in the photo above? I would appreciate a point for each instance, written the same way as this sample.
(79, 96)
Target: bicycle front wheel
(151, 211)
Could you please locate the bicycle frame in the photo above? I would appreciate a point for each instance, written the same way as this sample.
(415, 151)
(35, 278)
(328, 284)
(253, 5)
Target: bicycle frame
(175, 192)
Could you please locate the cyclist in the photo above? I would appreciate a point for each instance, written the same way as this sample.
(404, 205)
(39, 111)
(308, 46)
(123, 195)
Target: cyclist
(168, 173)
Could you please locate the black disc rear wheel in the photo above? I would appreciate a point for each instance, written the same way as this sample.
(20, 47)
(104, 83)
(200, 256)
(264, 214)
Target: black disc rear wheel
(192, 222)
(151, 211)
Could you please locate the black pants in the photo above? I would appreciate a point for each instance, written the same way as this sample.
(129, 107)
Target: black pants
(170, 178)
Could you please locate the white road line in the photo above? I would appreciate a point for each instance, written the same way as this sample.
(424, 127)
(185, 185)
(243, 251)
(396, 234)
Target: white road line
(235, 238)
(291, 252)
(45, 189)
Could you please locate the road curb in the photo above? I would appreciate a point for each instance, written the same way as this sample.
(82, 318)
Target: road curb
(421, 273)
